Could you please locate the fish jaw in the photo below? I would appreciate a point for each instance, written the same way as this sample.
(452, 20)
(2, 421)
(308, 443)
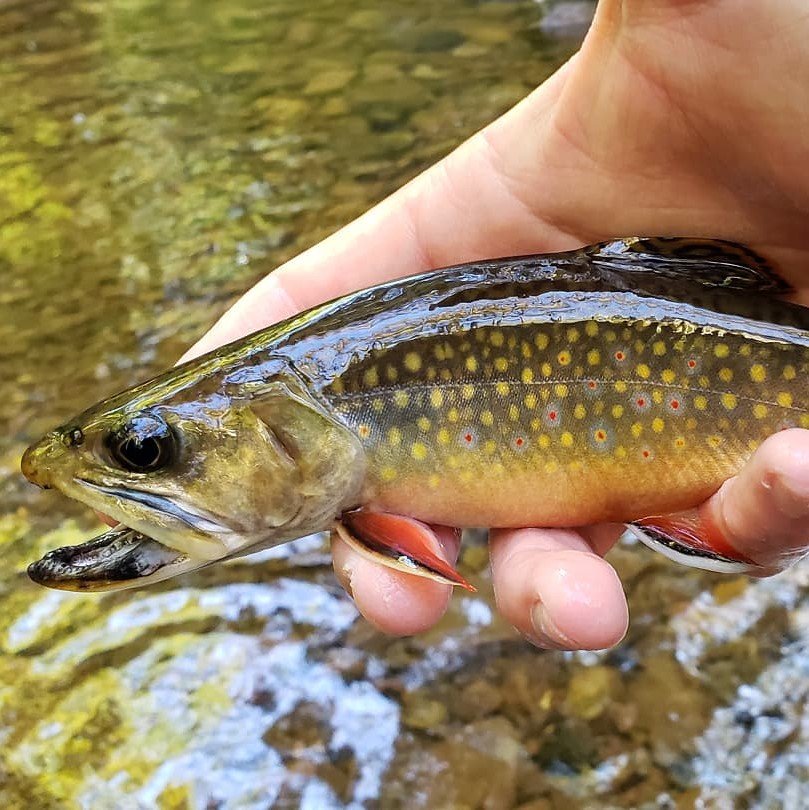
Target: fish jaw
(117, 559)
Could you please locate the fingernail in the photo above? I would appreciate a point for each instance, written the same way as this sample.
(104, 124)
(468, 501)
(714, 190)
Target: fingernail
(548, 634)
(344, 575)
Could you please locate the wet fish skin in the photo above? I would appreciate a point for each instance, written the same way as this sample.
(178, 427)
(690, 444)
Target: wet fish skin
(619, 382)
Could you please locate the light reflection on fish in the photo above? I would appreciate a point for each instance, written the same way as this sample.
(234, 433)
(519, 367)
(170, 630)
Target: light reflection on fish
(622, 382)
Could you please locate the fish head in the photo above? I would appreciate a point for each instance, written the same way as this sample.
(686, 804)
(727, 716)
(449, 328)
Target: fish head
(205, 471)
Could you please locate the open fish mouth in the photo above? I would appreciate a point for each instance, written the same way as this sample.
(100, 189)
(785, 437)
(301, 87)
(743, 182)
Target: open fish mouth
(118, 558)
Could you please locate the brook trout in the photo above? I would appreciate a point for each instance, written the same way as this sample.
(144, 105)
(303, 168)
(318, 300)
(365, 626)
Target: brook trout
(622, 382)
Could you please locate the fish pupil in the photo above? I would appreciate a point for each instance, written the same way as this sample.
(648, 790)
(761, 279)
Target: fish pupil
(144, 445)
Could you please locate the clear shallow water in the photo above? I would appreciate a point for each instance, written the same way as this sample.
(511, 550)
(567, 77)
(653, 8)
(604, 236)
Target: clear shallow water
(155, 160)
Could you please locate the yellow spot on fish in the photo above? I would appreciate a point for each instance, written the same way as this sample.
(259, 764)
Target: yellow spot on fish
(468, 391)
(700, 402)
(760, 410)
(401, 399)
(620, 387)
(784, 399)
(527, 375)
(541, 341)
(452, 415)
(726, 374)
(544, 441)
(643, 371)
(489, 447)
(418, 451)
(436, 398)
(610, 336)
(729, 401)
(721, 350)
(594, 357)
(560, 390)
(378, 405)
(391, 374)
(497, 338)
(442, 437)
(445, 374)
(617, 411)
(471, 363)
(573, 334)
(758, 373)
(513, 413)
(658, 425)
(636, 429)
(668, 376)
(551, 466)
(371, 377)
(487, 418)
(620, 451)
(546, 370)
(525, 349)
(433, 481)
(745, 350)
(423, 423)
(530, 400)
(564, 357)
(500, 364)
(566, 439)
(659, 348)
(657, 396)
(364, 431)
(387, 473)
(412, 361)
(804, 420)
(502, 389)
(394, 437)
(703, 381)
(788, 373)
(591, 328)
(579, 411)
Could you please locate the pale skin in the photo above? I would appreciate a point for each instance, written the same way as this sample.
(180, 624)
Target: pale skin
(682, 117)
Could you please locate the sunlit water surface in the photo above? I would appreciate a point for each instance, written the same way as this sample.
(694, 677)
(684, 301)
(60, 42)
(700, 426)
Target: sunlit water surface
(155, 160)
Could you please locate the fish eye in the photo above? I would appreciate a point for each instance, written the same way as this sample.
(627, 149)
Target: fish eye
(144, 444)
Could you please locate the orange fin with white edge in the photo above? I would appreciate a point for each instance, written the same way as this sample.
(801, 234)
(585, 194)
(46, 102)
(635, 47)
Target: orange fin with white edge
(692, 539)
(398, 542)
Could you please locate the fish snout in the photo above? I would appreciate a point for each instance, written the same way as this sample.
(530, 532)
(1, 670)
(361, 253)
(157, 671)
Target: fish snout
(41, 461)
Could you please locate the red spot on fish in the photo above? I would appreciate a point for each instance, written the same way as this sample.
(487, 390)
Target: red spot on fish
(552, 415)
(646, 453)
(468, 438)
(519, 441)
(692, 363)
(620, 356)
(674, 404)
(640, 402)
(601, 436)
(591, 384)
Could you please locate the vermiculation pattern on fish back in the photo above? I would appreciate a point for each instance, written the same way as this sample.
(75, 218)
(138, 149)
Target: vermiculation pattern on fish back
(564, 423)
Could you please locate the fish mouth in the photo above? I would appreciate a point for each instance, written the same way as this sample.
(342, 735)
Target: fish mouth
(124, 557)
(118, 558)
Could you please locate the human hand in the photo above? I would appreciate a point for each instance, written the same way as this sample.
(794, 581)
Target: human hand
(679, 117)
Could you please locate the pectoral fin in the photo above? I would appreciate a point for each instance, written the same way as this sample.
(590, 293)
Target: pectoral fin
(397, 542)
(689, 538)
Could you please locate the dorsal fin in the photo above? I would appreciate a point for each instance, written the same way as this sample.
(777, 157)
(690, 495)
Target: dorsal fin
(710, 262)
